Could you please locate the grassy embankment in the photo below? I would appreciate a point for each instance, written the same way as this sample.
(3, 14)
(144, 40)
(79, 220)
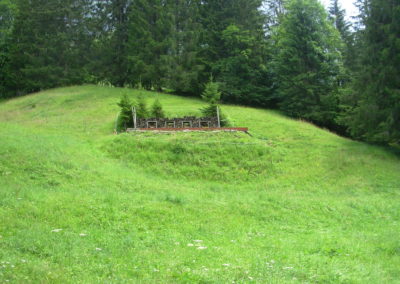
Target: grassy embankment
(293, 203)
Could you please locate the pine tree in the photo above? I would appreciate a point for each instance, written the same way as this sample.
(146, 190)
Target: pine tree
(7, 14)
(235, 49)
(149, 29)
(307, 63)
(125, 116)
(116, 48)
(212, 95)
(47, 45)
(338, 17)
(141, 109)
(157, 110)
(185, 69)
(373, 107)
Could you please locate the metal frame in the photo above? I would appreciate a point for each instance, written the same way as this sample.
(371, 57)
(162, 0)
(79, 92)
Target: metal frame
(208, 124)
(171, 121)
(151, 122)
(183, 124)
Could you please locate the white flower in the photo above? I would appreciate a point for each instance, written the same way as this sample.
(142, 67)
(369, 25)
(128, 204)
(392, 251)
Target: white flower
(202, 248)
(98, 249)
(190, 245)
(251, 278)
(82, 235)
(56, 230)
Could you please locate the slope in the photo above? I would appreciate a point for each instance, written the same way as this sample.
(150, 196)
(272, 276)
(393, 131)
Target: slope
(291, 203)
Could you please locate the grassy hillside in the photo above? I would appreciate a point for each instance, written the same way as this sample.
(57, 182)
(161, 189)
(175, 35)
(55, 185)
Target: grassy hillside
(293, 203)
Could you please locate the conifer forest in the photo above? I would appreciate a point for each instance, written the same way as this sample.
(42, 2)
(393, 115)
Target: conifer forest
(297, 56)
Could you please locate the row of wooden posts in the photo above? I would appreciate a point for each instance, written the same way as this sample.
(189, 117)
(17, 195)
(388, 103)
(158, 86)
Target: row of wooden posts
(135, 117)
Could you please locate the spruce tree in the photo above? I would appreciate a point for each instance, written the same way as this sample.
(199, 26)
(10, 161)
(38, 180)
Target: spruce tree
(141, 109)
(48, 45)
(373, 106)
(235, 49)
(148, 43)
(185, 69)
(157, 110)
(125, 115)
(307, 63)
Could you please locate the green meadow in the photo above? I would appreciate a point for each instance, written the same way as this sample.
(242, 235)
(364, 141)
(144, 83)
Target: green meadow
(290, 203)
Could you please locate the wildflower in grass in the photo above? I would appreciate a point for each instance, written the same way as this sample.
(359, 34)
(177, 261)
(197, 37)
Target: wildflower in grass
(98, 249)
(56, 230)
(82, 235)
(251, 278)
(201, 248)
(190, 245)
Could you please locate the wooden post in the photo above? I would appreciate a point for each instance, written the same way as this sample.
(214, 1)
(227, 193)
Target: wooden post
(219, 121)
(116, 124)
(134, 117)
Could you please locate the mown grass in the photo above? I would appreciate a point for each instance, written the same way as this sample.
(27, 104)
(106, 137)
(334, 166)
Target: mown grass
(293, 203)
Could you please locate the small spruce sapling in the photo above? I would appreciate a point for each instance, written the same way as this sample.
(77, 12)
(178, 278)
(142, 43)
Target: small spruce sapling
(157, 110)
(125, 116)
(141, 110)
(212, 95)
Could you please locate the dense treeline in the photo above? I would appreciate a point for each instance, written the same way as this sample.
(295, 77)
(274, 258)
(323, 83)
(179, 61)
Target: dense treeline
(288, 54)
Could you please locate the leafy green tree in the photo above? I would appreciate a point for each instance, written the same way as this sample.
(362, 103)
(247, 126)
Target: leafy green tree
(157, 110)
(307, 63)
